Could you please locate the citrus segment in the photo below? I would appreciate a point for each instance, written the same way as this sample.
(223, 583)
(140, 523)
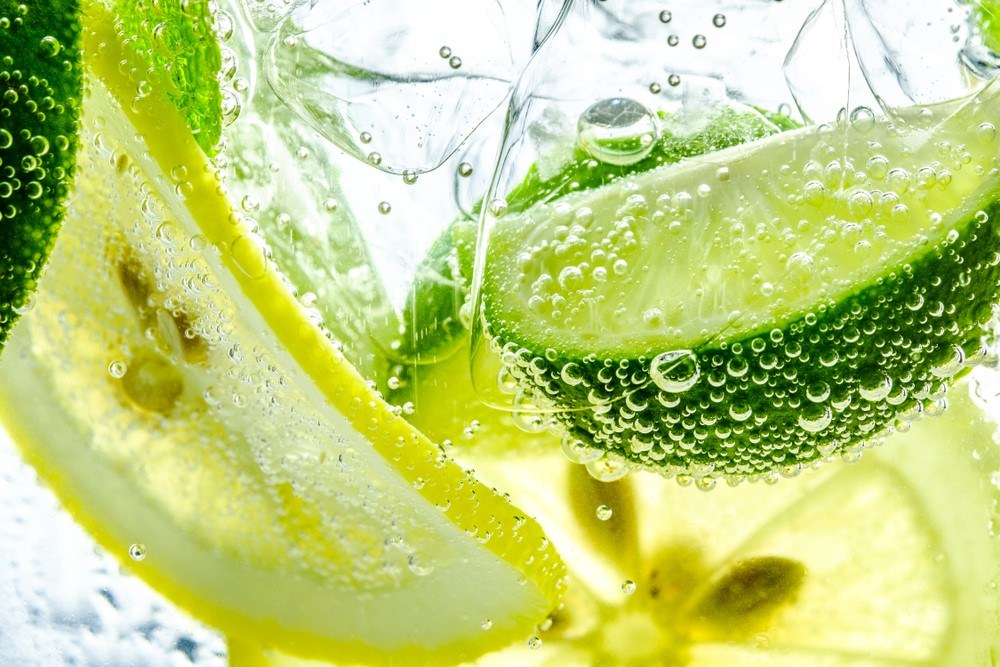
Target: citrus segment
(188, 412)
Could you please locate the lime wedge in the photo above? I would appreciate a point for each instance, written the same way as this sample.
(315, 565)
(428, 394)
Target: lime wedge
(761, 307)
(40, 90)
(188, 412)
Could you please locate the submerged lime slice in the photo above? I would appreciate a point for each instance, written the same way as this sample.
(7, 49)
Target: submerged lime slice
(761, 307)
(188, 411)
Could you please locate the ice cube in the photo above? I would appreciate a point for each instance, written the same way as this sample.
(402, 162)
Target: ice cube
(398, 85)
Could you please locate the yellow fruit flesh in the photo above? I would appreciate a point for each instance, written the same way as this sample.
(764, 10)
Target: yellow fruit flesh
(176, 396)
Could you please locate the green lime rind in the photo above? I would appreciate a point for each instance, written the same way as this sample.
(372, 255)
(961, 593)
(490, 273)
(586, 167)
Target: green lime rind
(432, 326)
(725, 128)
(754, 424)
(815, 378)
(40, 91)
(178, 42)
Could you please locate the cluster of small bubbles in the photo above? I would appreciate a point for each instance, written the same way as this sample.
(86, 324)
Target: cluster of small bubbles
(603, 512)
(137, 552)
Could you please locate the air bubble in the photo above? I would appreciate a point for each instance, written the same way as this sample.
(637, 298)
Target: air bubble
(699, 41)
(534, 642)
(607, 470)
(117, 369)
(719, 20)
(603, 512)
(464, 169)
(618, 131)
(628, 587)
(578, 451)
(417, 567)
(137, 552)
(384, 207)
(816, 420)
(875, 388)
(675, 371)
(665, 16)
(986, 133)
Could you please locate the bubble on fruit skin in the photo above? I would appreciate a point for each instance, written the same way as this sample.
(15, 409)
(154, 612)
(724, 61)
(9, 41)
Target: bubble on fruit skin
(628, 587)
(675, 371)
(137, 552)
(603, 512)
(117, 369)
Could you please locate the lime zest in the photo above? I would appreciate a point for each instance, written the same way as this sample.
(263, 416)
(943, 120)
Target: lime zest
(177, 44)
(40, 91)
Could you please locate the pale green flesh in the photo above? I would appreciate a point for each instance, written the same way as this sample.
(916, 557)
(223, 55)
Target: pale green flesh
(721, 246)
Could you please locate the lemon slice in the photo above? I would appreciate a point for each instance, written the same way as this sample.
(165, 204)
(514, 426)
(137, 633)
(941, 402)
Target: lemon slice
(888, 561)
(187, 411)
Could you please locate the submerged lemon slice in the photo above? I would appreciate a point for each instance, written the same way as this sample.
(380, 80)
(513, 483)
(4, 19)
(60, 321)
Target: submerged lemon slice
(888, 561)
(189, 413)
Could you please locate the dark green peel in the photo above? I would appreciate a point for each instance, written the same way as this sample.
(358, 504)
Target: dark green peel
(40, 91)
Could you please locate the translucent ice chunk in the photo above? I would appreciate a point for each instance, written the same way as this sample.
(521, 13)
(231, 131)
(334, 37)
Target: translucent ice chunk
(821, 69)
(398, 85)
(909, 52)
(265, 15)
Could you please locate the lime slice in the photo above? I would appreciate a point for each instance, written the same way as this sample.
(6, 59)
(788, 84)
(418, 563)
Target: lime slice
(761, 307)
(40, 90)
(433, 373)
(848, 564)
(187, 411)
